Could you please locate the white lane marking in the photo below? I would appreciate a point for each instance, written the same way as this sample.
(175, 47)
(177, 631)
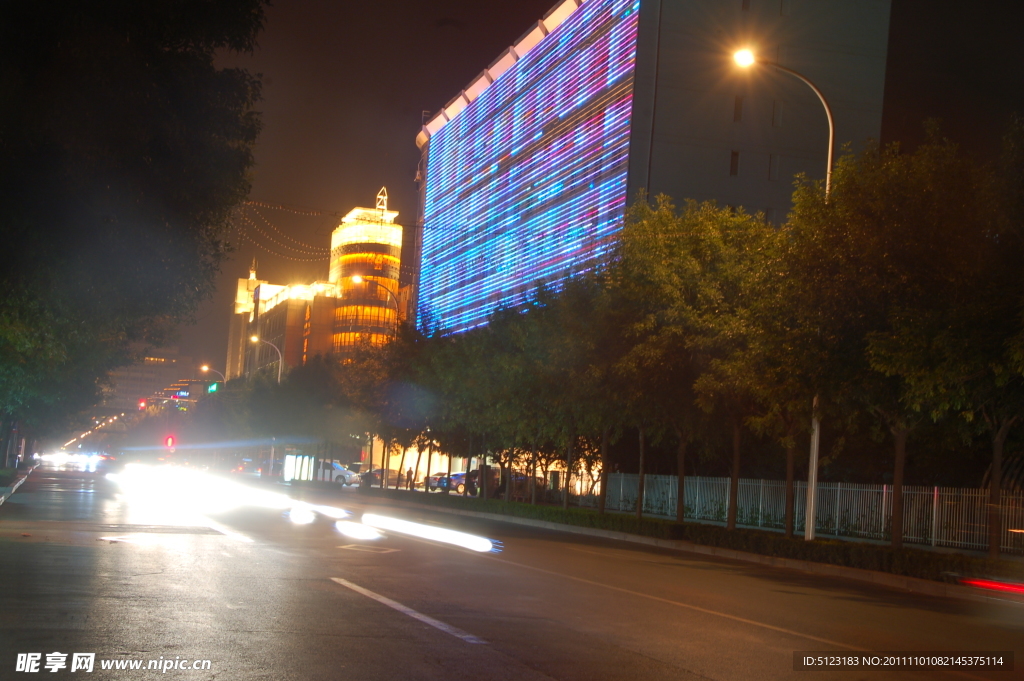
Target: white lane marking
(437, 624)
(707, 611)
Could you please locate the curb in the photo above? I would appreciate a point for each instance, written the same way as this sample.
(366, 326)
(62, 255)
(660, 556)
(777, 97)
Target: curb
(8, 491)
(911, 584)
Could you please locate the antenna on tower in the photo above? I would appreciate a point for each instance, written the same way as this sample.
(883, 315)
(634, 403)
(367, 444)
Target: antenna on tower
(382, 198)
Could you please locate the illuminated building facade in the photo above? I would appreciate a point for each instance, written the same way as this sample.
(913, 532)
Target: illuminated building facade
(527, 172)
(366, 256)
(361, 301)
(297, 320)
(238, 331)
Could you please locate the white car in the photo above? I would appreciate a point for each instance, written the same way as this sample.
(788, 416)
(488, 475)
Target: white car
(342, 475)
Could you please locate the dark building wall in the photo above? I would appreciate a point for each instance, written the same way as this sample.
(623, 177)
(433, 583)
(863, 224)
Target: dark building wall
(705, 128)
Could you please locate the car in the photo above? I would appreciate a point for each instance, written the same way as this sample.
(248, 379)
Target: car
(342, 475)
(457, 483)
(372, 478)
(436, 481)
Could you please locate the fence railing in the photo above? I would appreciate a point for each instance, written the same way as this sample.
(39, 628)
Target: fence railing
(936, 516)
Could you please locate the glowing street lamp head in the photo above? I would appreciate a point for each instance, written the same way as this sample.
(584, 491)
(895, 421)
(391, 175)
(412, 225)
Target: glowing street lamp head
(357, 279)
(204, 368)
(254, 339)
(745, 58)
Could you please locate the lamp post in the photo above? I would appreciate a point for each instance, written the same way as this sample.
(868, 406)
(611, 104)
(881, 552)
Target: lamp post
(358, 279)
(280, 357)
(280, 363)
(746, 59)
(206, 367)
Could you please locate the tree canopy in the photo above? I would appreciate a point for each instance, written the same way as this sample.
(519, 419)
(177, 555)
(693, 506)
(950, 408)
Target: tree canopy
(123, 150)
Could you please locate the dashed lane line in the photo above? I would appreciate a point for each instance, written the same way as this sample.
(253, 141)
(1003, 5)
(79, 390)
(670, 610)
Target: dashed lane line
(437, 624)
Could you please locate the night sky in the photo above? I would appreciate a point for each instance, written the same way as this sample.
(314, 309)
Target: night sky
(345, 85)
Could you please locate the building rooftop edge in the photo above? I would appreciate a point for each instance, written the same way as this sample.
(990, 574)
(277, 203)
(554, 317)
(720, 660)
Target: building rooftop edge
(534, 35)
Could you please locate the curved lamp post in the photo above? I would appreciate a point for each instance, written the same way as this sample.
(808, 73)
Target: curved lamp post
(280, 357)
(746, 58)
(358, 279)
(206, 368)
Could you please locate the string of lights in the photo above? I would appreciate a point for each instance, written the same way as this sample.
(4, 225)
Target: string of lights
(308, 247)
(245, 237)
(321, 252)
(291, 209)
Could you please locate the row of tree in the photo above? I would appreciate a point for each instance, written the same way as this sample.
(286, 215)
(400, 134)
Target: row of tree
(892, 302)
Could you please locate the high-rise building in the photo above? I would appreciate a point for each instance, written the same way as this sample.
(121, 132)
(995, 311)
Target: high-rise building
(366, 257)
(527, 172)
(361, 301)
(238, 331)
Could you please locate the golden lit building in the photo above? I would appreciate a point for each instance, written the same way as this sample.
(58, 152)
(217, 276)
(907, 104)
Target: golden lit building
(360, 302)
(366, 256)
(238, 331)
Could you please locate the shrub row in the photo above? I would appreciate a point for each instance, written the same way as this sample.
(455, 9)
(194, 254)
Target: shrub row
(908, 562)
(7, 476)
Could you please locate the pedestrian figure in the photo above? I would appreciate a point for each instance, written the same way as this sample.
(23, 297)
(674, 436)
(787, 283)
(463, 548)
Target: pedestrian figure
(408, 477)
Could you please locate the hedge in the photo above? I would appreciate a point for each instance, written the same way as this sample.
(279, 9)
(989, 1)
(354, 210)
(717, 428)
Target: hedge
(7, 476)
(909, 562)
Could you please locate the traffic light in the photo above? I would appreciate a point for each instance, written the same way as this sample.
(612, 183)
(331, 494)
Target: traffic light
(212, 388)
(169, 442)
(142, 405)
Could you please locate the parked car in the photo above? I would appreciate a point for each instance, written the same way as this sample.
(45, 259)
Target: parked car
(436, 481)
(372, 478)
(457, 483)
(342, 475)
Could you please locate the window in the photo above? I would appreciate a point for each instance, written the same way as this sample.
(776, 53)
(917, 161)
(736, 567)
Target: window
(777, 114)
(734, 163)
(773, 167)
(737, 109)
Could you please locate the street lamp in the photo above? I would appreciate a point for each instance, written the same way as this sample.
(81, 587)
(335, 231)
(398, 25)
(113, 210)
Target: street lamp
(746, 58)
(280, 357)
(207, 368)
(358, 279)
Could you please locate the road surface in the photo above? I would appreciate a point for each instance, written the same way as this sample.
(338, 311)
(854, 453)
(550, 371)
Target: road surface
(86, 568)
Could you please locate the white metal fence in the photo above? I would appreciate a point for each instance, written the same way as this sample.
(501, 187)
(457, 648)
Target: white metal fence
(939, 516)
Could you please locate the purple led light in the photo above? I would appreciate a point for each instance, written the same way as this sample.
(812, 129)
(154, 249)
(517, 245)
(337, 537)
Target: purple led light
(528, 182)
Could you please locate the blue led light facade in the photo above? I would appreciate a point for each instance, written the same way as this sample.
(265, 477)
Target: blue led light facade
(528, 182)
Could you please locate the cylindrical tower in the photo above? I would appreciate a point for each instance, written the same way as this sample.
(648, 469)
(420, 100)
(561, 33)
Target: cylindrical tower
(366, 251)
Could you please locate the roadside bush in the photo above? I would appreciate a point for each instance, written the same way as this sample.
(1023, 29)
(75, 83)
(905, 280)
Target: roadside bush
(908, 562)
(7, 476)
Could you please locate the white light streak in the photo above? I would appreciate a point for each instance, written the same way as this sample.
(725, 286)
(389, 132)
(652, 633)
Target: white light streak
(438, 534)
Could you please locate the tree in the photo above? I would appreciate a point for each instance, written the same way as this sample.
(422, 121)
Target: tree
(688, 272)
(122, 152)
(958, 350)
(894, 245)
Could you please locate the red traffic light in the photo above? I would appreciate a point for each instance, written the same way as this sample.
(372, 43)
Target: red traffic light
(142, 404)
(169, 441)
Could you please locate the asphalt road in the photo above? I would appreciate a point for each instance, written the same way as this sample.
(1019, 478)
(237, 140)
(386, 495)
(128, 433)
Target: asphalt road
(86, 569)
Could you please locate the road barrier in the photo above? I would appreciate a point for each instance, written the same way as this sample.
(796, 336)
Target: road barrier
(936, 516)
